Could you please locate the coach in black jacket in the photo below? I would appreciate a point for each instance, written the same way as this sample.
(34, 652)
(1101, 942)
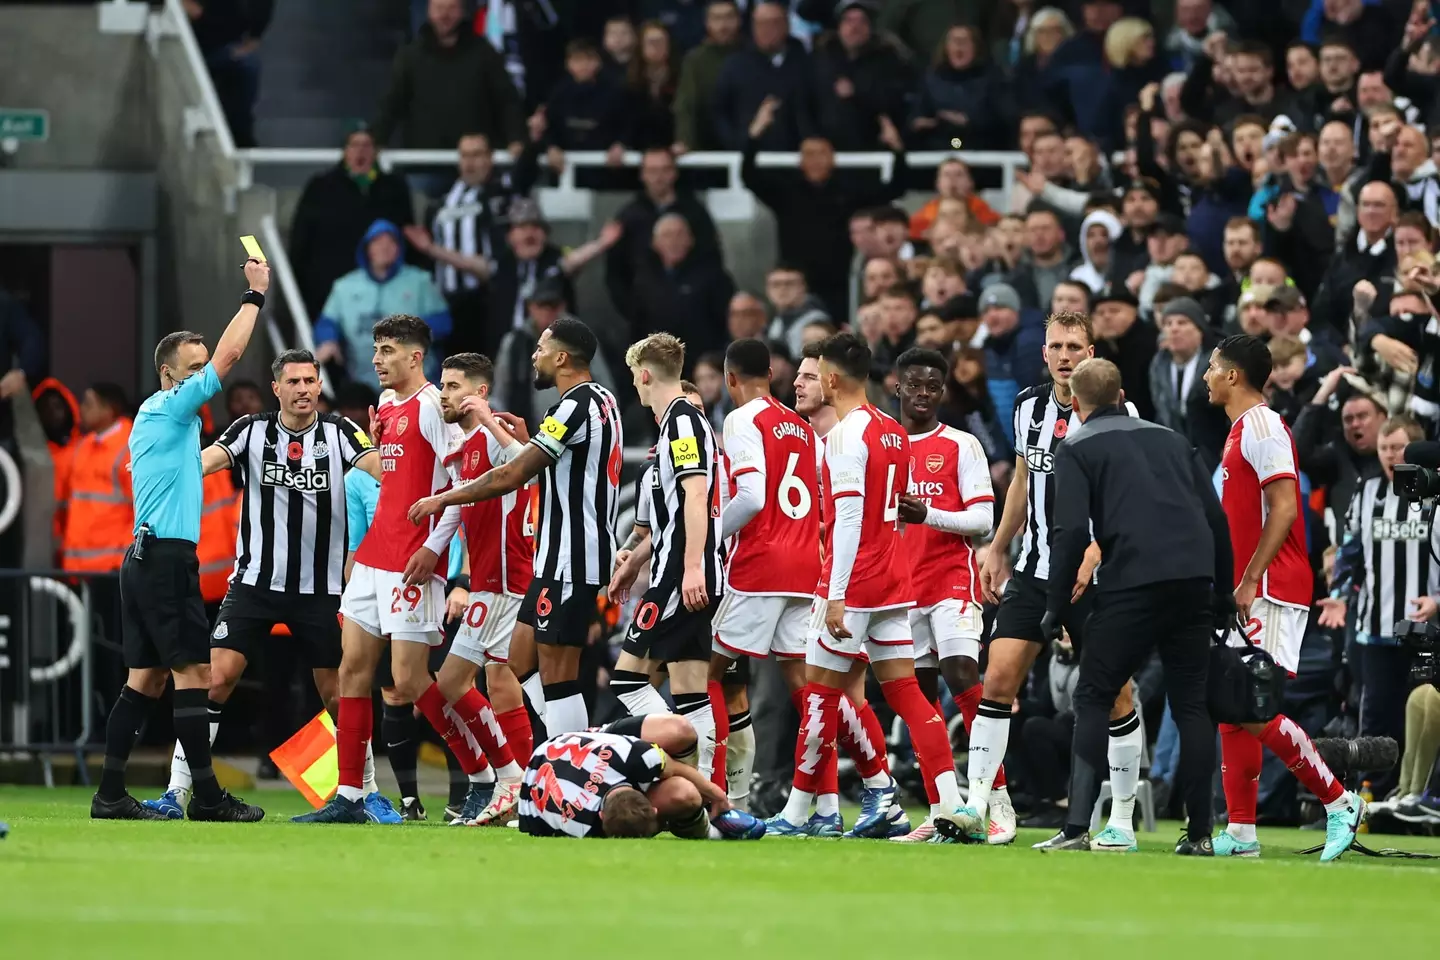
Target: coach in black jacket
(1165, 549)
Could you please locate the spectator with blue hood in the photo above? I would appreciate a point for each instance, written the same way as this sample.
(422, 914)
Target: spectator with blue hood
(381, 284)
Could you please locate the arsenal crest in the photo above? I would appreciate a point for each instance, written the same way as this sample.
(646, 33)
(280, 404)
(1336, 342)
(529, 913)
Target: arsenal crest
(935, 462)
(1062, 427)
(400, 425)
(474, 459)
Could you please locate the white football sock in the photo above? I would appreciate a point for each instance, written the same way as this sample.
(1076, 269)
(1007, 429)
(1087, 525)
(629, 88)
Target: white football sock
(484, 776)
(948, 788)
(566, 715)
(797, 808)
(1244, 832)
(535, 690)
(644, 701)
(740, 763)
(1124, 752)
(350, 793)
(1340, 803)
(368, 786)
(695, 707)
(510, 773)
(881, 779)
(827, 804)
(989, 737)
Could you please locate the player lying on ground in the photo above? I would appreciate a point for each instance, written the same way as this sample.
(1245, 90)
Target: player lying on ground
(622, 781)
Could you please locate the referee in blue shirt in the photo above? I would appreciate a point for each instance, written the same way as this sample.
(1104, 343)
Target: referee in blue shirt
(163, 616)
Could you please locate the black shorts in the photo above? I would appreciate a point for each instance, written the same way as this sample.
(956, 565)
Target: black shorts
(684, 635)
(560, 612)
(163, 621)
(249, 614)
(1023, 604)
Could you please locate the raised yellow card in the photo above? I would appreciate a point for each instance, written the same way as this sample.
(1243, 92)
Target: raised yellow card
(252, 248)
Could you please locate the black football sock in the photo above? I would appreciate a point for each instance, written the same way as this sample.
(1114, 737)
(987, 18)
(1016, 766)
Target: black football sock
(400, 729)
(192, 729)
(127, 716)
(459, 782)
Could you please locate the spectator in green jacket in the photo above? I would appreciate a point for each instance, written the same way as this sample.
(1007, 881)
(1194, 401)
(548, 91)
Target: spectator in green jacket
(447, 83)
(694, 129)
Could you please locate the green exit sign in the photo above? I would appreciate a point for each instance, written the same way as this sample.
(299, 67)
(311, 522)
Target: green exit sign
(24, 124)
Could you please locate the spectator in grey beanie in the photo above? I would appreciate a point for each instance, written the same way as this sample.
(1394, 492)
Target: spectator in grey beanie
(1177, 382)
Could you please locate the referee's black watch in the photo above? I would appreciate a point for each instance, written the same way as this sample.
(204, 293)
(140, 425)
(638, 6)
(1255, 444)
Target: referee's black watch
(461, 582)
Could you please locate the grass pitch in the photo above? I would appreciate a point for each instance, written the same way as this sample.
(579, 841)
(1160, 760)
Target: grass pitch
(70, 887)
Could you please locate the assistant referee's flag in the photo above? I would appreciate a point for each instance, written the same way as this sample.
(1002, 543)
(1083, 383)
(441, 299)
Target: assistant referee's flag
(309, 760)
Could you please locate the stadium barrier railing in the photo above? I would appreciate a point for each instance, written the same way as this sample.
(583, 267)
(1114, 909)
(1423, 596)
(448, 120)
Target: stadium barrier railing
(52, 624)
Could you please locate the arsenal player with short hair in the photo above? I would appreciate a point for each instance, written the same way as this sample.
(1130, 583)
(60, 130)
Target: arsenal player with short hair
(949, 500)
(861, 610)
(1261, 496)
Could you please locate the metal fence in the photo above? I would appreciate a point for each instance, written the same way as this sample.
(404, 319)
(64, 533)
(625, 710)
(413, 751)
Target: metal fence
(50, 626)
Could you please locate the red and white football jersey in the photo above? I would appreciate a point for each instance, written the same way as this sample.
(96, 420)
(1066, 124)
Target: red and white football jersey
(499, 533)
(1259, 451)
(949, 471)
(767, 438)
(415, 442)
(868, 454)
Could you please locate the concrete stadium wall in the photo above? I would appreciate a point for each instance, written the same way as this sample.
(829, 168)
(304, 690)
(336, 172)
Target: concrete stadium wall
(97, 87)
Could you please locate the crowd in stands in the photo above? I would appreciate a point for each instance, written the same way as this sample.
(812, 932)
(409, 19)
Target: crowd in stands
(1196, 168)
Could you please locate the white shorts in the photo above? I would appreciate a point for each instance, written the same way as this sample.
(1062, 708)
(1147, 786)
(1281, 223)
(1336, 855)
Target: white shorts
(379, 602)
(875, 635)
(485, 630)
(757, 626)
(950, 628)
(1277, 629)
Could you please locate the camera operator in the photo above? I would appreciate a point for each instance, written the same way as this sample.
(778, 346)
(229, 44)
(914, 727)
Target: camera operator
(1388, 560)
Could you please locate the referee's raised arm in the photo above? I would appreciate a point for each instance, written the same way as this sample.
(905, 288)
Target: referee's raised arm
(236, 337)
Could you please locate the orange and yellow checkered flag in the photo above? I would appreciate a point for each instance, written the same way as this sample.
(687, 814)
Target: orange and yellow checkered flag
(309, 760)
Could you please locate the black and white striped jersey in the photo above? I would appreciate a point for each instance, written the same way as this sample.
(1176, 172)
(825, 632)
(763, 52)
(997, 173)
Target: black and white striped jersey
(579, 490)
(292, 519)
(466, 221)
(569, 776)
(686, 448)
(1041, 425)
(1396, 542)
